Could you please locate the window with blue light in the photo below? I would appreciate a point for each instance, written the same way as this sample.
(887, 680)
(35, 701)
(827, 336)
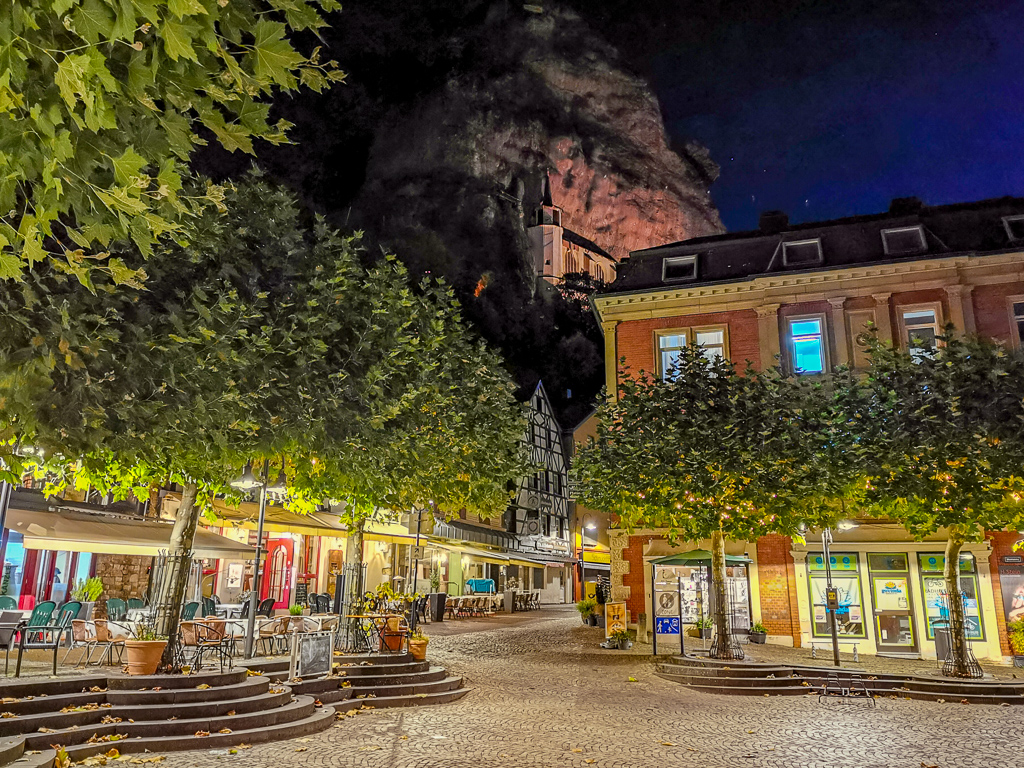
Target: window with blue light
(669, 347)
(807, 345)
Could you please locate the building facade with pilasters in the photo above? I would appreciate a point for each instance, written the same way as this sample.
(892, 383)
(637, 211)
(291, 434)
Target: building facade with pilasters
(801, 296)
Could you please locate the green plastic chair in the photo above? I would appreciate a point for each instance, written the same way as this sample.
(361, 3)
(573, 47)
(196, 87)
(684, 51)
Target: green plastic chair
(72, 607)
(8, 603)
(188, 612)
(40, 618)
(136, 603)
(116, 609)
(209, 607)
(51, 637)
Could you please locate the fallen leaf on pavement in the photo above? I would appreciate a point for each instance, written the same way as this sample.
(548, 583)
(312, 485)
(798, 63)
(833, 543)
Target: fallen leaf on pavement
(301, 749)
(668, 744)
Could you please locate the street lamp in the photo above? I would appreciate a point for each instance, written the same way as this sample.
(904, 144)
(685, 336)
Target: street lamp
(584, 527)
(832, 594)
(248, 482)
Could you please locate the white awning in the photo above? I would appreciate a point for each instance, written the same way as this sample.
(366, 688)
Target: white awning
(64, 530)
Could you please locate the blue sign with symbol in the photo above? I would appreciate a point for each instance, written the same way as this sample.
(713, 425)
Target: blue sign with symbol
(666, 625)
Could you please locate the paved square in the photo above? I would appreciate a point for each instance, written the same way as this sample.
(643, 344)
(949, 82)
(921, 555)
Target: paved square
(544, 694)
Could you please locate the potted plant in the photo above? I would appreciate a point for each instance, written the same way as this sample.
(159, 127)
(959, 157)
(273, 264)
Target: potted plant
(621, 638)
(144, 650)
(418, 645)
(1015, 631)
(758, 633)
(586, 607)
(703, 627)
(86, 592)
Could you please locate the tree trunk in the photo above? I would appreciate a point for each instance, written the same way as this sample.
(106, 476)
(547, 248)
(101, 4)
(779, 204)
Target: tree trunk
(179, 564)
(721, 604)
(354, 557)
(957, 624)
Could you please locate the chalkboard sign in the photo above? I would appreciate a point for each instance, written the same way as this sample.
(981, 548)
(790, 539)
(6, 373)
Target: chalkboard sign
(315, 654)
(301, 593)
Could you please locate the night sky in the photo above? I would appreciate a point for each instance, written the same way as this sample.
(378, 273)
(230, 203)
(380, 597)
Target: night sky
(826, 110)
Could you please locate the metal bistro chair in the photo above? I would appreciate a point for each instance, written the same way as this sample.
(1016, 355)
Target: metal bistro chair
(81, 638)
(204, 637)
(47, 637)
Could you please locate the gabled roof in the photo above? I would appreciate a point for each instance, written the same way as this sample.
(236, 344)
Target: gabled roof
(947, 230)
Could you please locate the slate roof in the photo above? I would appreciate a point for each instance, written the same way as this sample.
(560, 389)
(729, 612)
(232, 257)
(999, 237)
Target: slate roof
(948, 230)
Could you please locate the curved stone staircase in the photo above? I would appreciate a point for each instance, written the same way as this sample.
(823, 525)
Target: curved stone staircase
(90, 715)
(754, 679)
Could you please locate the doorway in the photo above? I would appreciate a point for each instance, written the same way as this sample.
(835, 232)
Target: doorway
(277, 581)
(892, 603)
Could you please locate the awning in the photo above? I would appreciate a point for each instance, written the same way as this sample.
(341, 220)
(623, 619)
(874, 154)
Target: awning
(460, 529)
(595, 567)
(497, 558)
(543, 558)
(699, 557)
(63, 530)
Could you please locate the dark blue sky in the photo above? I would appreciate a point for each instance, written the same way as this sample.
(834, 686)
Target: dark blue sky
(825, 115)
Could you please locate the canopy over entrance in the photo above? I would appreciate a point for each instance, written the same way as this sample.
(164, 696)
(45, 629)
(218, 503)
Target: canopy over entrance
(699, 557)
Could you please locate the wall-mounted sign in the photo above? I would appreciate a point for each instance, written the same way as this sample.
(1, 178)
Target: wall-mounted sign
(1012, 558)
(416, 553)
(234, 576)
(615, 617)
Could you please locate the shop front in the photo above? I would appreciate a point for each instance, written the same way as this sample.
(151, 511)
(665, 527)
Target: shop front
(893, 598)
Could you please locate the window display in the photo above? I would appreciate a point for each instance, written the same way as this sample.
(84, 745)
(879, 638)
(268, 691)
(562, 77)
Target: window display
(846, 580)
(936, 600)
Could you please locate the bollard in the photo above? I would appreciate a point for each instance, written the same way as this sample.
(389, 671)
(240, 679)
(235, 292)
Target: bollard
(856, 657)
(814, 651)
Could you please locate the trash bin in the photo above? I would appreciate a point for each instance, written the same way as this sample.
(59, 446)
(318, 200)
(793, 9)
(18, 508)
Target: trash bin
(942, 639)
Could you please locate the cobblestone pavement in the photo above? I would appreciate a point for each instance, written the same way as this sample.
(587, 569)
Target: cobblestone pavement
(543, 694)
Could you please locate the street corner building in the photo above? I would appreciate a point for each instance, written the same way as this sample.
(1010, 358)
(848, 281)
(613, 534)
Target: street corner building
(803, 295)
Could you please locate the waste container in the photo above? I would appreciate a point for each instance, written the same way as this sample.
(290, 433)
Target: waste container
(942, 639)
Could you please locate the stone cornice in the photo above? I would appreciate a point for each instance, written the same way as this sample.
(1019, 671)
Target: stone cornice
(857, 280)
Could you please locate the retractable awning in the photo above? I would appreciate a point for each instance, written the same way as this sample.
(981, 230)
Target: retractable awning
(498, 558)
(699, 557)
(64, 530)
(542, 558)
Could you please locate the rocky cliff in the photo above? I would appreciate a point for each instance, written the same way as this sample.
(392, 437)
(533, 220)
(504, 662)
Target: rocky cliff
(551, 99)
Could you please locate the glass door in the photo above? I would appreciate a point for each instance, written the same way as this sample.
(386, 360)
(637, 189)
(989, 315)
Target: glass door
(890, 597)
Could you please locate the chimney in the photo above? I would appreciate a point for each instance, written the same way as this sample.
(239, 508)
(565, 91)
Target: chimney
(905, 206)
(773, 222)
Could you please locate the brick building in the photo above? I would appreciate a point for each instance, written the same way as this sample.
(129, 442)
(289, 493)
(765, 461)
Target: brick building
(799, 296)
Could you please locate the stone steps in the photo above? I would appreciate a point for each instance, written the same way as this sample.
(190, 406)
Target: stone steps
(403, 678)
(414, 689)
(252, 686)
(418, 700)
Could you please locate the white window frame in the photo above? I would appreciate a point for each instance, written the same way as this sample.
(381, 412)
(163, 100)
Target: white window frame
(690, 332)
(785, 249)
(1009, 230)
(673, 260)
(920, 234)
(903, 309)
(791, 350)
(1015, 337)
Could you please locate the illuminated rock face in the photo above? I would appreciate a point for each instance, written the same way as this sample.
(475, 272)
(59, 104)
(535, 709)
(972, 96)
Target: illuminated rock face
(547, 98)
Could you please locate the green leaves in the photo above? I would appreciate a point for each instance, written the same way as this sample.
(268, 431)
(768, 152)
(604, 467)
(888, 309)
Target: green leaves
(133, 78)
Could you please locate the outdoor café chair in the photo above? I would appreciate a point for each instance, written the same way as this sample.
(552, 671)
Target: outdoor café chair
(107, 641)
(323, 603)
(10, 621)
(49, 636)
(40, 617)
(136, 603)
(189, 610)
(7, 603)
(117, 609)
(272, 633)
(81, 638)
(266, 608)
(209, 606)
(203, 637)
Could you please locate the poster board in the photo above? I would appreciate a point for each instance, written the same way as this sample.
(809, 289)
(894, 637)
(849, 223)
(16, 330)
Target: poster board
(315, 654)
(615, 618)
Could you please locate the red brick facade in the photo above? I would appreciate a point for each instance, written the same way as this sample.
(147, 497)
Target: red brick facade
(777, 582)
(634, 555)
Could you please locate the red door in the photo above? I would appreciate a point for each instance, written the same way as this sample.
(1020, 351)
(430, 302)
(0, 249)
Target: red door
(277, 573)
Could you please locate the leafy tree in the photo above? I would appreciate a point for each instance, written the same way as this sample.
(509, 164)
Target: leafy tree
(100, 104)
(705, 453)
(942, 448)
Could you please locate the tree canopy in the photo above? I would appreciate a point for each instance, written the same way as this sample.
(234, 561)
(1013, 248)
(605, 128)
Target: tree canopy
(101, 103)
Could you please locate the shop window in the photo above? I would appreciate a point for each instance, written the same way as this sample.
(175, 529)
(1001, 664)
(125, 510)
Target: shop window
(538, 578)
(846, 580)
(921, 328)
(806, 339)
(713, 341)
(888, 561)
(937, 600)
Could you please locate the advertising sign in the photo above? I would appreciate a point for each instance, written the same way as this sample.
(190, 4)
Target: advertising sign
(614, 618)
(891, 594)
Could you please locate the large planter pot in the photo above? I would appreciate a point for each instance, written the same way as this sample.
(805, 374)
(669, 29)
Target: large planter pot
(392, 639)
(592, 619)
(437, 602)
(85, 612)
(758, 637)
(418, 648)
(144, 655)
(623, 644)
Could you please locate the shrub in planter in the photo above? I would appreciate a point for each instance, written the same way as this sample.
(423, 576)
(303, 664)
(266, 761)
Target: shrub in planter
(621, 638)
(144, 651)
(418, 645)
(704, 627)
(758, 633)
(586, 607)
(1015, 632)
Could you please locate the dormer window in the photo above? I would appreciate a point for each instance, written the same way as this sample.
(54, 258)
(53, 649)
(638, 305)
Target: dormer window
(801, 253)
(677, 269)
(1014, 227)
(904, 241)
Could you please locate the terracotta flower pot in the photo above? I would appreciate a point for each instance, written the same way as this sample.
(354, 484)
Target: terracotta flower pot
(392, 639)
(144, 655)
(418, 648)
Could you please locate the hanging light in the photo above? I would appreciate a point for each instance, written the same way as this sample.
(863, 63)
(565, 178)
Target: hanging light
(280, 485)
(247, 481)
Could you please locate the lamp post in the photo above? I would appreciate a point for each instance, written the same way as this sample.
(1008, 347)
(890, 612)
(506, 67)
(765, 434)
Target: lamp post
(831, 593)
(584, 527)
(249, 482)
